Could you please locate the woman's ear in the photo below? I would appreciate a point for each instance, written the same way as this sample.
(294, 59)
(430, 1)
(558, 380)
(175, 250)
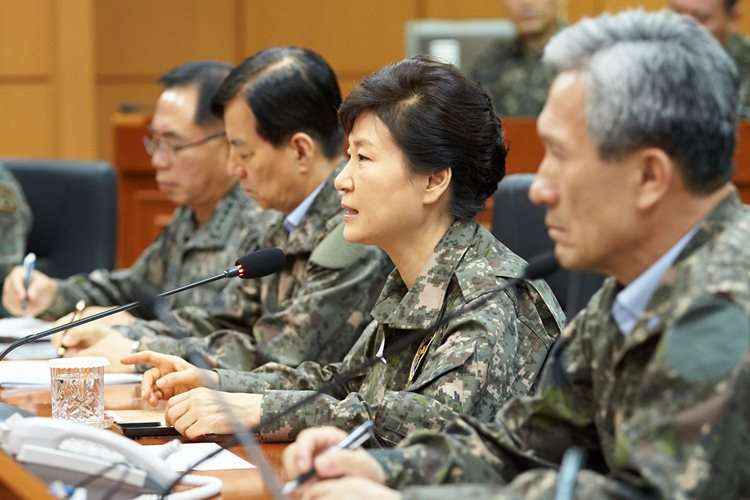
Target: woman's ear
(437, 184)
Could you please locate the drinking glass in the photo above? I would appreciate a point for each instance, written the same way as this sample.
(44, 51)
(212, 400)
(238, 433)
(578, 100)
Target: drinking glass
(77, 389)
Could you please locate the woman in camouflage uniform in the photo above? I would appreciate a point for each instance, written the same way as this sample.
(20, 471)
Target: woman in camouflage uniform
(426, 151)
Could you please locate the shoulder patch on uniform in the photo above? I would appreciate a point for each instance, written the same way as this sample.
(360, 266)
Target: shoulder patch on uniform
(8, 199)
(335, 252)
(709, 340)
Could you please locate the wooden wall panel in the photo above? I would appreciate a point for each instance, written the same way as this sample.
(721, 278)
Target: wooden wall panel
(74, 79)
(144, 38)
(139, 40)
(466, 9)
(28, 127)
(356, 38)
(617, 5)
(26, 35)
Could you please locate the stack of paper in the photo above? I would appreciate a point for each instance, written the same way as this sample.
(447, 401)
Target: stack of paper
(36, 373)
(15, 328)
(189, 453)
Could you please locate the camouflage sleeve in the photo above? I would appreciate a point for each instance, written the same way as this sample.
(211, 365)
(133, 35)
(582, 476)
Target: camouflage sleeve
(106, 288)
(15, 223)
(480, 363)
(538, 484)
(299, 329)
(332, 305)
(307, 376)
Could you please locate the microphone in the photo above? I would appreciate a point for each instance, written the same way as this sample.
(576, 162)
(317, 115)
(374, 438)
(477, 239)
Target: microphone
(253, 265)
(537, 268)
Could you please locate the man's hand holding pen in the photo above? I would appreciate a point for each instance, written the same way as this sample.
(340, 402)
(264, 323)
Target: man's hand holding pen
(27, 291)
(331, 453)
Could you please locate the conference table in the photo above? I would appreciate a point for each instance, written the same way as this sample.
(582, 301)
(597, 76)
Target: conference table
(238, 484)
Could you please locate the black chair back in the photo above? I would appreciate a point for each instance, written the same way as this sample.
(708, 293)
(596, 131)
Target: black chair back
(519, 224)
(74, 207)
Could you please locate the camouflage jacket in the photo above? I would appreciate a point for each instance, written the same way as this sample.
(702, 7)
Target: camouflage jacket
(738, 47)
(180, 254)
(661, 412)
(315, 308)
(470, 365)
(15, 222)
(514, 76)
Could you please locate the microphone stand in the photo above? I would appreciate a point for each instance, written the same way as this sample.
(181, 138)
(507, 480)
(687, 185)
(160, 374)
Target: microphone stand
(229, 273)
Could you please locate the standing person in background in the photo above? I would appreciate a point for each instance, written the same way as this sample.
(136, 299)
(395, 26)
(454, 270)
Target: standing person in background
(214, 224)
(720, 17)
(512, 69)
(15, 223)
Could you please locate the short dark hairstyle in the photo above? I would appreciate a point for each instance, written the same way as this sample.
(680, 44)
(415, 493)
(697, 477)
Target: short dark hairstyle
(207, 76)
(729, 5)
(439, 119)
(289, 90)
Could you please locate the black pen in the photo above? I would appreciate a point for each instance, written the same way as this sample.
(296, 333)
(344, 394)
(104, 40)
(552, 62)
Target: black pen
(353, 440)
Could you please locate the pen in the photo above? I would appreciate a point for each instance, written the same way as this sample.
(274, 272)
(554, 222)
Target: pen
(28, 268)
(353, 440)
(80, 306)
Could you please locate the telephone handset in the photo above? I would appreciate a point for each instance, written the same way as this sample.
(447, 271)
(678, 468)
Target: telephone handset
(73, 452)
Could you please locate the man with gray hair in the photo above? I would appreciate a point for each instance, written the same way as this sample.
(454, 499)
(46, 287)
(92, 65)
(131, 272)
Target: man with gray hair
(652, 380)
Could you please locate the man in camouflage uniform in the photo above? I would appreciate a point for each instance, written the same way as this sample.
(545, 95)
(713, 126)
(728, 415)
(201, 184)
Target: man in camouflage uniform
(512, 70)
(651, 379)
(470, 365)
(15, 222)
(318, 304)
(213, 226)
(720, 17)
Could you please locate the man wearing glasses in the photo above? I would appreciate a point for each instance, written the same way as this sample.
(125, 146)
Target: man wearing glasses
(215, 222)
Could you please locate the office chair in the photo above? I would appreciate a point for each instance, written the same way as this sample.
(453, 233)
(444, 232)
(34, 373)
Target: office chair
(519, 224)
(74, 208)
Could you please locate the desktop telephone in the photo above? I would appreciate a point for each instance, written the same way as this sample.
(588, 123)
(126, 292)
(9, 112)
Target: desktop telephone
(73, 453)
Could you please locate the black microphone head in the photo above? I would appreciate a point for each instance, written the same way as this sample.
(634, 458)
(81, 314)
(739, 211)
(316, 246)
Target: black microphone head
(261, 263)
(541, 266)
(149, 299)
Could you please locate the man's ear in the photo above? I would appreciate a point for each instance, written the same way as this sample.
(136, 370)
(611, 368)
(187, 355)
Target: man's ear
(303, 148)
(656, 172)
(437, 184)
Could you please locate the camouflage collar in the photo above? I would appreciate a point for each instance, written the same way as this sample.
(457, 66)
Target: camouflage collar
(712, 224)
(216, 231)
(417, 308)
(322, 216)
(651, 322)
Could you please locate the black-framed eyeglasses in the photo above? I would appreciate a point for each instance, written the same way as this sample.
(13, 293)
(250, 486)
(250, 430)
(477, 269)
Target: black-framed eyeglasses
(153, 145)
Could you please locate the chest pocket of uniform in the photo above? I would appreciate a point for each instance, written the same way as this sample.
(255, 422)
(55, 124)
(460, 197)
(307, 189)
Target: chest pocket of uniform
(443, 360)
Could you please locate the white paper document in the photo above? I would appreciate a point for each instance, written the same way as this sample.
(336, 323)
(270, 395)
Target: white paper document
(189, 453)
(15, 328)
(36, 373)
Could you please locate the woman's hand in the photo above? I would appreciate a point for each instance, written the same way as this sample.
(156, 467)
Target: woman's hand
(170, 375)
(199, 411)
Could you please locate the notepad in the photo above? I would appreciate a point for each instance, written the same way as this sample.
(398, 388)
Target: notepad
(36, 373)
(15, 328)
(189, 453)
